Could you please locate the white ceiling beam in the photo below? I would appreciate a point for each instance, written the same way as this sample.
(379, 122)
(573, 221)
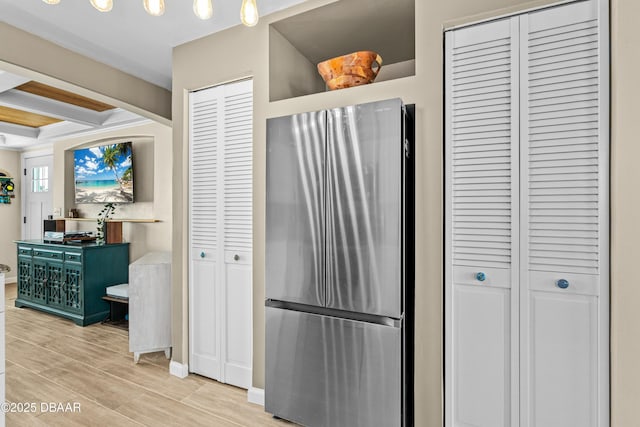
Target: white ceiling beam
(9, 81)
(11, 129)
(118, 116)
(48, 107)
(61, 129)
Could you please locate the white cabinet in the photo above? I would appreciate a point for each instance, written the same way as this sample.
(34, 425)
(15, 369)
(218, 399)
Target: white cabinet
(150, 304)
(526, 254)
(221, 232)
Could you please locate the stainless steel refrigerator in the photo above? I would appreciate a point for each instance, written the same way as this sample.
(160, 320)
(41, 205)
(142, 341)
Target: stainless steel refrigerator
(339, 266)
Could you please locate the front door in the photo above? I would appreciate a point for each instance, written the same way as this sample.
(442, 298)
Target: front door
(38, 194)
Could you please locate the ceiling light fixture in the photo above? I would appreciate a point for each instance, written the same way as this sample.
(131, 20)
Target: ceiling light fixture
(154, 7)
(249, 13)
(202, 8)
(102, 5)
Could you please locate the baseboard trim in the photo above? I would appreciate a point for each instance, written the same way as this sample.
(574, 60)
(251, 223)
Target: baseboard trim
(11, 280)
(180, 370)
(256, 395)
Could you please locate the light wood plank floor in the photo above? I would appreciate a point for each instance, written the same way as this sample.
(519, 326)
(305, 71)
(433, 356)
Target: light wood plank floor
(50, 359)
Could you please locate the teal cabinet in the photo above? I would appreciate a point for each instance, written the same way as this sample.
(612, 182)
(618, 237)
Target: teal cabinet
(25, 275)
(70, 280)
(72, 288)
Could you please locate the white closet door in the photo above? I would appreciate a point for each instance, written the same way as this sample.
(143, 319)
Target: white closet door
(204, 204)
(238, 230)
(221, 233)
(481, 145)
(564, 227)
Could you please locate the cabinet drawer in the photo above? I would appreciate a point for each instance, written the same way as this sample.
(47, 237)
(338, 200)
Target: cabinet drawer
(73, 256)
(24, 251)
(43, 253)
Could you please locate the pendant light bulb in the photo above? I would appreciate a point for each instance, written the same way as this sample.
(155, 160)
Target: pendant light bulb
(249, 13)
(203, 9)
(102, 5)
(51, 1)
(154, 7)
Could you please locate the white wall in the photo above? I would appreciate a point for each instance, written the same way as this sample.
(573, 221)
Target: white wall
(153, 184)
(10, 214)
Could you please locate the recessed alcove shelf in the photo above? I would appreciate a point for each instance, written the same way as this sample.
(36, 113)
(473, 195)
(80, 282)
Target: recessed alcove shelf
(298, 43)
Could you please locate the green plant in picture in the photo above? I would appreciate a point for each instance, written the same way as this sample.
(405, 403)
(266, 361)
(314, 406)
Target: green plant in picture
(103, 217)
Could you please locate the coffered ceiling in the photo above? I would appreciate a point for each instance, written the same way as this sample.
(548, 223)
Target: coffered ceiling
(127, 38)
(33, 113)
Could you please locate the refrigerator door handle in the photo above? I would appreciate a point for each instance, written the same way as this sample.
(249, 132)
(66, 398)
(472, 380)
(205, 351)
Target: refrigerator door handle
(332, 312)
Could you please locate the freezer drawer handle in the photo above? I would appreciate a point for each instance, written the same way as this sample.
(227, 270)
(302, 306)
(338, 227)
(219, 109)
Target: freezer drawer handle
(563, 283)
(481, 276)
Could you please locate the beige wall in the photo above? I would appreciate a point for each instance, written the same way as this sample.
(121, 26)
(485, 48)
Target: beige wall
(10, 224)
(26, 54)
(152, 182)
(625, 213)
(222, 62)
(193, 70)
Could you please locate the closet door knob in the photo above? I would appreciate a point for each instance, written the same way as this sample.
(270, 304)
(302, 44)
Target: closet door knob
(202, 254)
(481, 276)
(562, 283)
(236, 257)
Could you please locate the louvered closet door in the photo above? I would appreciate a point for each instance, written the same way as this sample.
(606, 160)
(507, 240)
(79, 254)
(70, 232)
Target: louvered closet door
(204, 204)
(564, 280)
(481, 147)
(238, 230)
(220, 315)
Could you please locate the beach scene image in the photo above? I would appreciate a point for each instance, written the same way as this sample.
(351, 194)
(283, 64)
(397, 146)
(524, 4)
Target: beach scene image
(104, 174)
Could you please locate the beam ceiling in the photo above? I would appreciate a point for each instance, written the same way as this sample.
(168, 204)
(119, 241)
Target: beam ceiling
(50, 92)
(25, 118)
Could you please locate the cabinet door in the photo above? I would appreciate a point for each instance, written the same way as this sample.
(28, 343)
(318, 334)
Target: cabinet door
(39, 281)
(73, 298)
(55, 284)
(481, 293)
(564, 228)
(25, 278)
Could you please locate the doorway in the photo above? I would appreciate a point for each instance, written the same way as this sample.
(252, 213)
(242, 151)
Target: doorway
(37, 193)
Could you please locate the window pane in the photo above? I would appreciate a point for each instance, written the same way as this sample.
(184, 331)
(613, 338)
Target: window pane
(40, 182)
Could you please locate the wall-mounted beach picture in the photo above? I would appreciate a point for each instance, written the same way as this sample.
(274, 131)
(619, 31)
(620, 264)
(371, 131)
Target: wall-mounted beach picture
(104, 174)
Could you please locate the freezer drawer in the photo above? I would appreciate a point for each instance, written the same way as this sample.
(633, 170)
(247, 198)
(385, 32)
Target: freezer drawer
(327, 371)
